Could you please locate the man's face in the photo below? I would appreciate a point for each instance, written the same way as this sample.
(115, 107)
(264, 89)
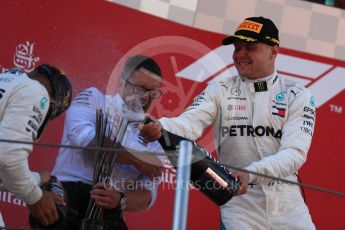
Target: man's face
(141, 87)
(254, 60)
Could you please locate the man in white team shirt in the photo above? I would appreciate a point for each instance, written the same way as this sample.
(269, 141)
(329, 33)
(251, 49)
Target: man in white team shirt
(141, 78)
(28, 101)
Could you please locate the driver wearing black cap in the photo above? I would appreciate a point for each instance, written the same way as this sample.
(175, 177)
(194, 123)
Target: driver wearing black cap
(263, 123)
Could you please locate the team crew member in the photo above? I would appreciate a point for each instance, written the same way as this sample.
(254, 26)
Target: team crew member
(134, 186)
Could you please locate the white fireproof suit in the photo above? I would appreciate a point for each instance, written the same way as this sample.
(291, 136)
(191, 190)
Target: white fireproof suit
(265, 126)
(23, 106)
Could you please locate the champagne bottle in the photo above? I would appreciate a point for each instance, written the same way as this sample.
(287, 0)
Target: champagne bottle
(207, 175)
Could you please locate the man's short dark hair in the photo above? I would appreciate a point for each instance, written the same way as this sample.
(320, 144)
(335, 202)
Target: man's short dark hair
(140, 61)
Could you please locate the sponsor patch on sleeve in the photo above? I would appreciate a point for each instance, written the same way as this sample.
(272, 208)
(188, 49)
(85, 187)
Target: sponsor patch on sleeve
(308, 120)
(84, 97)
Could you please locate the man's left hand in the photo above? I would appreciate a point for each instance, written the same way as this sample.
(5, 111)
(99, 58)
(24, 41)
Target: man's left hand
(244, 180)
(105, 196)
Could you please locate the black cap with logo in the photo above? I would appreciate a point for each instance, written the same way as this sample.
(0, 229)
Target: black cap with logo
(255, 29)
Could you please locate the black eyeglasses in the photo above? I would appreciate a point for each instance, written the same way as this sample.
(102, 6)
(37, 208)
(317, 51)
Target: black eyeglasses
(140, 90)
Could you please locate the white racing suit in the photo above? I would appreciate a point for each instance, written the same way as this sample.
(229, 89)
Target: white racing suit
(265, 126)
(23, 106)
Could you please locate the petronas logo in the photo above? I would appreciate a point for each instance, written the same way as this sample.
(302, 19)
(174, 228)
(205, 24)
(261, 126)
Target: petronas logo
(280, 96)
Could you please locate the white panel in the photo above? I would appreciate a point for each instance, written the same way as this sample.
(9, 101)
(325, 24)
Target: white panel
(301, 81)
(225, 74)
(189, 4)
(300, 66)
(208, 65)
(155, 7)
(328, 86)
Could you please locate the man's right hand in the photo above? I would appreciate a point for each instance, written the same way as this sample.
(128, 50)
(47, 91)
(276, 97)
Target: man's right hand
(44, 210)
(150, 131)
(151, 170)
(149, 165)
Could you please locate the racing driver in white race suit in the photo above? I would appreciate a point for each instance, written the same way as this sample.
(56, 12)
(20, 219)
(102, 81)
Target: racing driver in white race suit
(263, 123)
(28, 101)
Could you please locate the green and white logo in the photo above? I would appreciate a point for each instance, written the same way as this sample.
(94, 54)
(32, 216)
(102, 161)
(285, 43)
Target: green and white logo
(43, 102)
(280, 96)
(312, 101)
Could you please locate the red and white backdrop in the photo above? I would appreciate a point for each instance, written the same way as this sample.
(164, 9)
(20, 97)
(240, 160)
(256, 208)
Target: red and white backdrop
(87, 41)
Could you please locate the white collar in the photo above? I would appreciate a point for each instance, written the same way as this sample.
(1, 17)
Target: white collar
(267, 82)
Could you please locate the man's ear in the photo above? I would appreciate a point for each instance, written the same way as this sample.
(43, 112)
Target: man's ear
(275, 50)
(43, 79)
(122, 83)
(120, 87)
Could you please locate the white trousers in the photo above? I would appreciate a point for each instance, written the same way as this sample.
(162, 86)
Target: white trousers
(267, 207)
